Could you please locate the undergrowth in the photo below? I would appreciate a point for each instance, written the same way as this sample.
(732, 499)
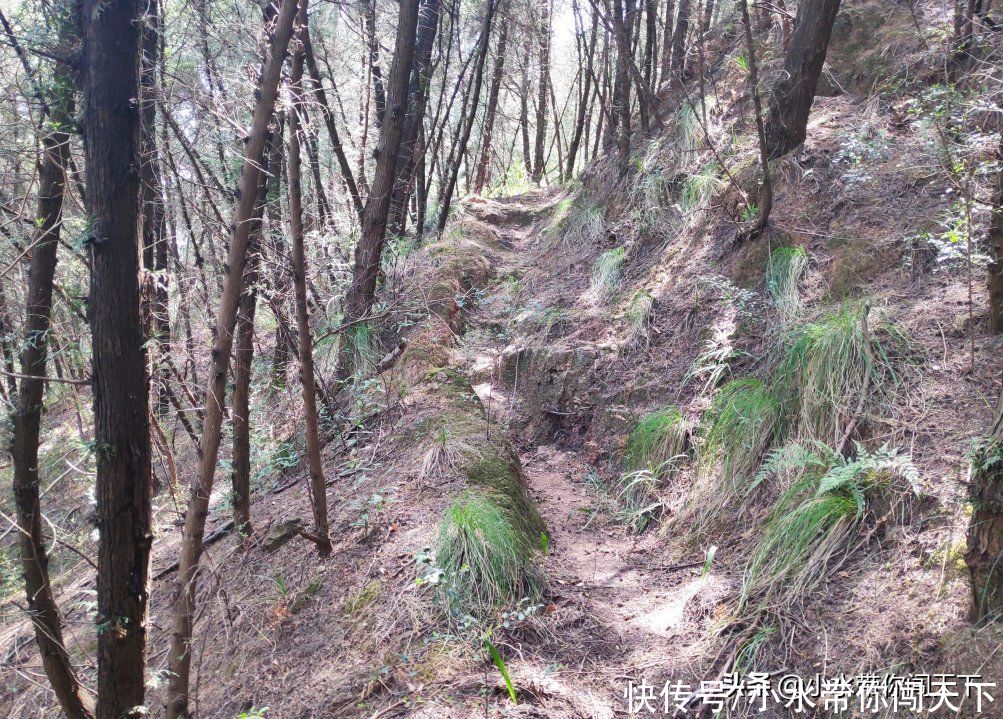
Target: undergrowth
(808, 533)
(658, 443)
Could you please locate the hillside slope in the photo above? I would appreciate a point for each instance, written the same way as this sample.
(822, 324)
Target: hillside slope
(704, 455)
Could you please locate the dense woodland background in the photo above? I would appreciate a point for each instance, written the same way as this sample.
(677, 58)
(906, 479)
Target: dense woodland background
(443, 358)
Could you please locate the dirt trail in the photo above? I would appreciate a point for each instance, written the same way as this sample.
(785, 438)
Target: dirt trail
(625, 608)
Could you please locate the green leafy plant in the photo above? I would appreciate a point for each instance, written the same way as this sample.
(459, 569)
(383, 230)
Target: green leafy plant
(808, 531)
(496, 658)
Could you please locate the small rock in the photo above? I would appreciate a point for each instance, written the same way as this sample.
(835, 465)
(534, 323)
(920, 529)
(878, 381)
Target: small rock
(282, 533)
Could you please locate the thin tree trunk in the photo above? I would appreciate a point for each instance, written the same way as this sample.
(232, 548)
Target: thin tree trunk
(621, 87)
(369, 250)
(481, 177)
(332, 129)
(766, 197)
(27, 414)
(527, 153)
(679, 41)
(794, 91)
(475, 93)
(179, 657)
(243, 348)
(318, 490)
(583, 105)
(374, 62)
(665, 74)
(111, 81)
(542, 93)
(995, 244)
(154, 217)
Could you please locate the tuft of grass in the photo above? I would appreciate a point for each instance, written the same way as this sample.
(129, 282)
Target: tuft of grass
(699, 187)
(364, 348)
(486, 558)
(658, 443)
(807, 534)
(580, 223)
(688, 128)
(606, 274)
(832, 367)
(638, 315)
(784, 270)
(451, 445)
(713, 363)
(739, 427)
(638, 500)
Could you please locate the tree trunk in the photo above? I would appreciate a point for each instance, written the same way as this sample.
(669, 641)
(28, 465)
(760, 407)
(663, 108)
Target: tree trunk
(794, 92)
(666, 70)
(621, 87)
(995, 244)
(332, 130)
(481, 177)
(369, 249)
(154, 218)
(527, 154)
(467, 125)
(766, 197)
(111, 82)
(27, 414)
(374, 62)
(679, 41)
(583, 105)
(985, 530)
(318, 489)
(542, 93)
(191, 548)
(428, 25)
(243, 347)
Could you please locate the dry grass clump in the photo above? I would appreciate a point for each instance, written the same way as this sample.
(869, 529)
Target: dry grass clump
(784, 271)
(833, 368)
(606, 274)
